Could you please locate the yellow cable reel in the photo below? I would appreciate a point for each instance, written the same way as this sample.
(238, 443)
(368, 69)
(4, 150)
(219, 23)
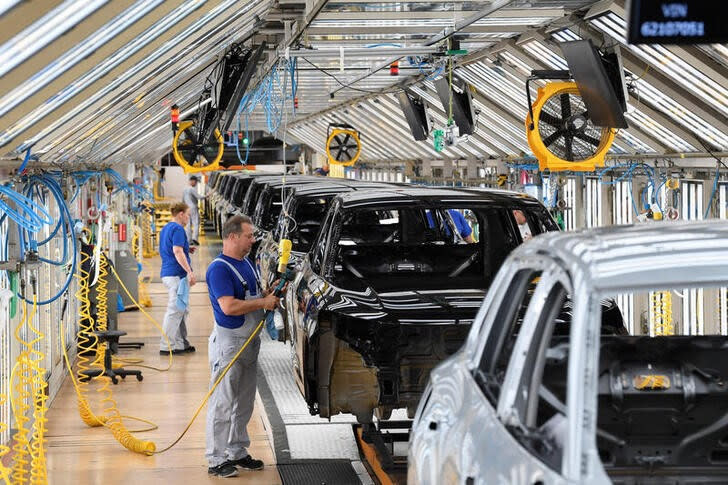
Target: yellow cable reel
(343, 146)
(184, 147)
(561, 135)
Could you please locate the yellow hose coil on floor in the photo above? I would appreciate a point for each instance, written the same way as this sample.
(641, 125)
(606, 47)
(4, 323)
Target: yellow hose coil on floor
(87, 344)
(111, 417)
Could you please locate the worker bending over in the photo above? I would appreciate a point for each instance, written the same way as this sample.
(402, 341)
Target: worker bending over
(238, 304)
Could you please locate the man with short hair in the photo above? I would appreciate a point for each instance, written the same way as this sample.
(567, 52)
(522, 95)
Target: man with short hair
(175, 252)
(191, 197)
(523, 226)
(323, 170)
(238, 304)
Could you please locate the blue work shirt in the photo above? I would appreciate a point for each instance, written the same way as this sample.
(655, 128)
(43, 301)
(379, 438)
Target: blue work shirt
(173, 234)
(222, 281)
(459, 220)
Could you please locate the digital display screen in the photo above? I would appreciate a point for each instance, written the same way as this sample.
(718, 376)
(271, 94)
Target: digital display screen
(677, 22)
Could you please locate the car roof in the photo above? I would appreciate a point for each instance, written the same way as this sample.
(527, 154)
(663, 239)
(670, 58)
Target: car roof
(436, 196)
(335, 187)
(640, 257)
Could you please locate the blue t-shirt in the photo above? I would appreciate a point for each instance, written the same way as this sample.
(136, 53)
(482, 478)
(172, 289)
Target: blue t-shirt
(222, 281)
(173, 234)
(459, 220)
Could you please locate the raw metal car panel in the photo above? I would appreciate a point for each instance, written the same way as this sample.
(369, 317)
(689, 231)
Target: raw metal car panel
(522, 402)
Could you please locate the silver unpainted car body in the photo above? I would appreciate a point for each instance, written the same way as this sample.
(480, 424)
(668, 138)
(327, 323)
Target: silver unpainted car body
(458, 437)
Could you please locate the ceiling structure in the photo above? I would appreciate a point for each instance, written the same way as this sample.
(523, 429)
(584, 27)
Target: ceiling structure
(94, 80)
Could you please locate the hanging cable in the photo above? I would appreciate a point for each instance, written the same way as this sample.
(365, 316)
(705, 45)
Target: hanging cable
(708, 206)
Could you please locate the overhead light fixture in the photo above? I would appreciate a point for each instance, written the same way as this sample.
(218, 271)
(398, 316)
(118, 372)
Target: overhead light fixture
(44, 31)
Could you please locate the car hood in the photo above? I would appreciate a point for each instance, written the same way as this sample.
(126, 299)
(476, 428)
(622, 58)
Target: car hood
(421, 307)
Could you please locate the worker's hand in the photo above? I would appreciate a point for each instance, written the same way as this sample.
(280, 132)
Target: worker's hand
(191, 278)
(275, 284)
(270, 302)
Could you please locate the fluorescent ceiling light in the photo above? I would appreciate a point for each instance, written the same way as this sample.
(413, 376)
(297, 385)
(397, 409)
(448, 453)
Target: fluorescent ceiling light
(76, 54)
(44, 31)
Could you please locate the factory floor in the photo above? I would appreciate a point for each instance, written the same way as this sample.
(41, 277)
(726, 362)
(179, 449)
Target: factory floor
(79, 455)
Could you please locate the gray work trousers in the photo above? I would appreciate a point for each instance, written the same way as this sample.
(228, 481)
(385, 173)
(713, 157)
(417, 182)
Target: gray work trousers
(193, 229)
(231, 405)
(174, 325)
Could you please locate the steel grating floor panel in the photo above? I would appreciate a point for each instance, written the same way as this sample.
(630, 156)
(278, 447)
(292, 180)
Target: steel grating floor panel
(308, 449)
(319, 472)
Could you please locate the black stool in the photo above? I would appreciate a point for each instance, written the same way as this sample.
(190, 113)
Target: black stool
(110, 337)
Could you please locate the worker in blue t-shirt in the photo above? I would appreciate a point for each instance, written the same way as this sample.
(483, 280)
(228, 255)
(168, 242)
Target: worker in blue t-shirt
(238, 304)
(466, 232)
(175, 252)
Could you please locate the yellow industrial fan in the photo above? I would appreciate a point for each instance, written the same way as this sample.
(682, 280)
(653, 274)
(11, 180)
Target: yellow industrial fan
(193, 151)
(560, 133)
(343, 145)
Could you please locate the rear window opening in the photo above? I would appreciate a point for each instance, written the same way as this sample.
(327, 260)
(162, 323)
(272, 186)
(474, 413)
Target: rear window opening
(424, 248)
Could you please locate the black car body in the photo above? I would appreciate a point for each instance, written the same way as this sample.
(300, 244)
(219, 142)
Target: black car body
(299, 220)
(219, 202)
(389, 289)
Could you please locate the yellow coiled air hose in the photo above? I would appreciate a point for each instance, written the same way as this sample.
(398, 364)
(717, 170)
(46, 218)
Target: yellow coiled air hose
(144, 298)
(19, 402)
(4, 450)
(662, 323)
(147, 241)
(151, 319)
(30, 385)
(38, 472)
(109, 406)
(87, 344)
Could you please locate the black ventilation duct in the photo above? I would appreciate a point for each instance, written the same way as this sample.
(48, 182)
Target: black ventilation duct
(462, 103)
(602, 89)
(415, 112)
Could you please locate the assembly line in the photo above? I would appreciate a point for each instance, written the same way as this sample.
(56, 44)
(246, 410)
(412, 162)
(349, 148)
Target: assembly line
(342, 242)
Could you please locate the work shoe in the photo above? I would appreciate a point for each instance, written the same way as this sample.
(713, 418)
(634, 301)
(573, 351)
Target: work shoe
(249, 463)
(195, 242)
(226, 470)
(190, 348)
(175, 351)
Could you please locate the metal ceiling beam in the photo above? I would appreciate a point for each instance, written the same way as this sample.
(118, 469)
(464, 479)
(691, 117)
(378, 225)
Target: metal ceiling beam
(459, 26)
(412, 29)
(359, 52)
(424, 149)
(504, 13)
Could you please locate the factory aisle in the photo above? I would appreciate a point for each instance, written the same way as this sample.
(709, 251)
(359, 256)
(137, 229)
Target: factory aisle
(80, 455)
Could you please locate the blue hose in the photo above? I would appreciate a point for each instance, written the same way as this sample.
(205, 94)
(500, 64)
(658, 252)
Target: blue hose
(67, 222)
(712, 194)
